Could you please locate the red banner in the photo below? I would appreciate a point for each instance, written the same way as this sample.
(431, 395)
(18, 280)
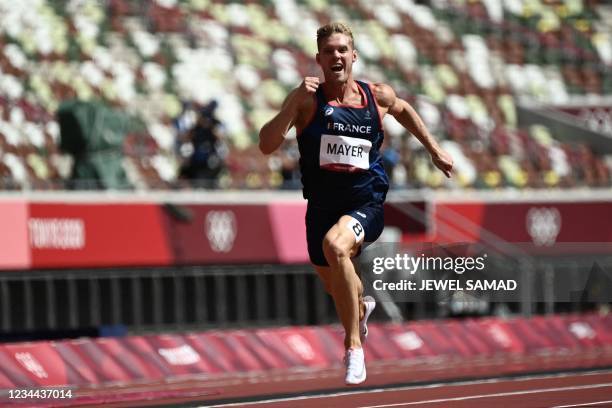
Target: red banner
(289, 229)
(35, 363)
(58, 235)
(222, 234)
(14, 249)
(97, 235)
(139, 359)
(543, 224)
(54, 235)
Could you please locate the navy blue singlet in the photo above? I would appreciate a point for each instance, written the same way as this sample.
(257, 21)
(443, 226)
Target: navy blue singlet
(340, 154)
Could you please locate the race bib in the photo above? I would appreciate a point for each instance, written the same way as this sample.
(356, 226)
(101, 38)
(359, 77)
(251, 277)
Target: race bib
(344, 153)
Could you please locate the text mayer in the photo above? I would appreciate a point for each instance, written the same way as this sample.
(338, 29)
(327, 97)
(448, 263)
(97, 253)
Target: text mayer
(345, 150)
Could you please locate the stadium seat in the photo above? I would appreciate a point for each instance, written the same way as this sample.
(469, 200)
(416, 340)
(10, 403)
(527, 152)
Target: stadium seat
(472, 61)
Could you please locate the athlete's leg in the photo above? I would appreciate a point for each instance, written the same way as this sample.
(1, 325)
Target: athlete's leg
(324, 273)
(339, 245)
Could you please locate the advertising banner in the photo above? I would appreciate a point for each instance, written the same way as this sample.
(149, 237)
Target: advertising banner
(119, 234)
(139, 359)
(97, 235)
(222, 234)
(38, 364)
(543, 224)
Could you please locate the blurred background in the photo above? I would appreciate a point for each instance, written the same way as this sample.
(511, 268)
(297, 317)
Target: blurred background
(171, 94)
(135, 199)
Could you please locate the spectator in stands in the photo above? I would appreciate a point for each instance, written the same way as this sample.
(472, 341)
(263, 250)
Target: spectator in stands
(206, 161)
(340, 135)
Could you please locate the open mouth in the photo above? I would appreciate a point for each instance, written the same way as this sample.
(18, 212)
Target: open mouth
(337, 67)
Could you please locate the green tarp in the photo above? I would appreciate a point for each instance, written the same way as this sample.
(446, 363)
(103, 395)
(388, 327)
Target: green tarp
(93, 134)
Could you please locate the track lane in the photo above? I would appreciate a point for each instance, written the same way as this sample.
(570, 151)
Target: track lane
(534, 391)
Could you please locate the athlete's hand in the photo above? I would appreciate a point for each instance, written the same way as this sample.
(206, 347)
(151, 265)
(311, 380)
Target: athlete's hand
(443, 161)
(307, 88)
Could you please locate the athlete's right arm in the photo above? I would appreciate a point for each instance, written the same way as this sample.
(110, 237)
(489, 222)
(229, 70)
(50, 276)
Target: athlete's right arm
(273, 133)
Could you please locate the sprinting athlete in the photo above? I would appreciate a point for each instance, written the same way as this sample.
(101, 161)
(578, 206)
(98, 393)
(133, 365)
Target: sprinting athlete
(339, 133)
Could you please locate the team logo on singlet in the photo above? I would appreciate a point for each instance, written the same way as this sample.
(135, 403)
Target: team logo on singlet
(328, 111)
(367, 116)
(344, 153)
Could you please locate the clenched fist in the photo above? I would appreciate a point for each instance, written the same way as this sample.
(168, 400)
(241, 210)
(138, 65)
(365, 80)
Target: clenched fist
(308, 87)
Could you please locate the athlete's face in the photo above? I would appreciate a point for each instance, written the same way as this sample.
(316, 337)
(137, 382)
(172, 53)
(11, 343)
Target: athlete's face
(336, 56)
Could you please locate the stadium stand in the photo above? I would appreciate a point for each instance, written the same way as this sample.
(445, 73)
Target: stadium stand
(465, 65)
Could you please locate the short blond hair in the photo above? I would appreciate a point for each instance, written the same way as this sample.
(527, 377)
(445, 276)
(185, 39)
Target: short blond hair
(332, 28)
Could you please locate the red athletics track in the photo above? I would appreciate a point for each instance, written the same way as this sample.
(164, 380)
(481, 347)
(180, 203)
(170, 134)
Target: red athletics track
(588, 389)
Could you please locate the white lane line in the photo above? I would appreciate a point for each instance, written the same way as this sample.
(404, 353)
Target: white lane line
(416, 387)
(498, 394)
(586, 404)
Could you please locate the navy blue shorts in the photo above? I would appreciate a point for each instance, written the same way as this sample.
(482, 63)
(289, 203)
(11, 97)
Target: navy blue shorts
(320, 220)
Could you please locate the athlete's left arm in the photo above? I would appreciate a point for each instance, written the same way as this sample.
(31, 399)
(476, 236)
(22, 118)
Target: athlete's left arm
(405, 114)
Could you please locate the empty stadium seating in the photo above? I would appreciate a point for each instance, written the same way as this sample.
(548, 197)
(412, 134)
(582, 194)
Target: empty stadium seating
(464, 64)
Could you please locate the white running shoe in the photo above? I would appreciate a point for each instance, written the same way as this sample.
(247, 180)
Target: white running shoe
(370, 304)
(355, 366)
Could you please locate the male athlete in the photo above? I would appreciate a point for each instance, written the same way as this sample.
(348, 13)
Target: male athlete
(339, 133)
